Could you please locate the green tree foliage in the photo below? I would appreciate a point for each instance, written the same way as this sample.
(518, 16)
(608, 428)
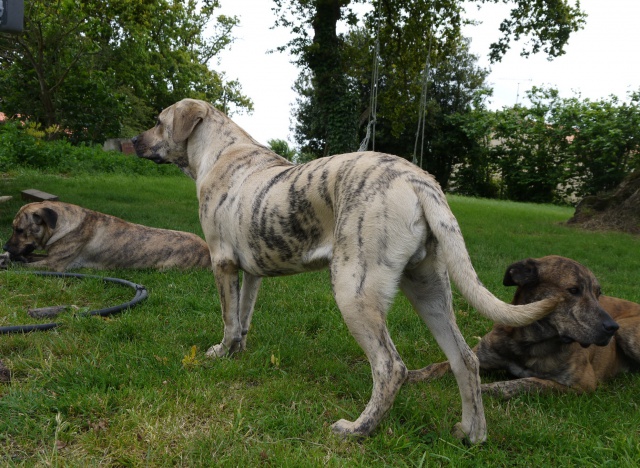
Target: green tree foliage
(398, 35)
(555, 150)
(544, 24)
(529, 154)
(282, 148)
(454, 86)
(570, 146)
(335, 76)
(329, 124)
(101, 68)
(476, 174)
(605, 140)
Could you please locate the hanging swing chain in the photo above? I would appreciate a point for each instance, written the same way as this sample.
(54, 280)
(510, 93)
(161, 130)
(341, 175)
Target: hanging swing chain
(423, 108)
(373, 103)
(373, 92)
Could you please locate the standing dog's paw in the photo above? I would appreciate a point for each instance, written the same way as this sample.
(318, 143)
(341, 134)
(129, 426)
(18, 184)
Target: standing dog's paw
(469, 438)
(346, 428)
(217, 351)
(222, 350)
(459, 434)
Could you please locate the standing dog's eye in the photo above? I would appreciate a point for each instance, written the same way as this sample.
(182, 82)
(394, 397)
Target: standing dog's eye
(575, 291)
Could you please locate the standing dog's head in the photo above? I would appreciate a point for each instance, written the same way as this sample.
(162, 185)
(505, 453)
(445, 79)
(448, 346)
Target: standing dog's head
(166, 143)
(33, 226)
(578, 316)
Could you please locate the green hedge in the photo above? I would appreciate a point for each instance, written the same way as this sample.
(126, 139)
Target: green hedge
(22, 147)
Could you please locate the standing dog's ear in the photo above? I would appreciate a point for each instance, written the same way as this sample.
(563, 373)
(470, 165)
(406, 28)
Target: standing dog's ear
(522, 273)
(186, 115)
(46, 216)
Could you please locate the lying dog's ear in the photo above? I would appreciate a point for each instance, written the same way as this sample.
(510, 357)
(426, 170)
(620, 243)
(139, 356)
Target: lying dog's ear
(46, 216)
(523, 273)
(186, 116)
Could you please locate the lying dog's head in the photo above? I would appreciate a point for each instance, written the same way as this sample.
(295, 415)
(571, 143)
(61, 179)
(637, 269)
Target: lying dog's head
(166, 143)
(578, 315)
(33, 226)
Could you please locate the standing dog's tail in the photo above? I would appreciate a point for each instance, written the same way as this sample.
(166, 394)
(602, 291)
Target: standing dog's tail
(447, 231)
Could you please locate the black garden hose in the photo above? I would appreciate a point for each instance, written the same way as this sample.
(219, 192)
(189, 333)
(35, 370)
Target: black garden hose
(141, 295)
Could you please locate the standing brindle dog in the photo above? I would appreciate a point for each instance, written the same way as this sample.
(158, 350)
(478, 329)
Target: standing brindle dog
(377, 221)
(586, 339)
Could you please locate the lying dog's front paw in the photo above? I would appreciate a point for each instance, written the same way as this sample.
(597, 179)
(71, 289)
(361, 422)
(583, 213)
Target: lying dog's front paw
(432, 371)
(5, 260)
(503, 390)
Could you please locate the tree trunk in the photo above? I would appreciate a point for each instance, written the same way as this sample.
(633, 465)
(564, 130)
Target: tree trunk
(330, 83)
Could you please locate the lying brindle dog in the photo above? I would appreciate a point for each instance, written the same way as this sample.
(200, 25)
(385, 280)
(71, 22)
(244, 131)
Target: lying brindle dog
(76, 237)
(588, 338)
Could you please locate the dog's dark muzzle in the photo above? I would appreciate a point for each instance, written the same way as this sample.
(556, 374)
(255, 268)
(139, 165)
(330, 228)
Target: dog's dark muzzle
(138, 146)
(609, 328)
(601, 334)
(15, 253)
(155, 158)
(143, 151)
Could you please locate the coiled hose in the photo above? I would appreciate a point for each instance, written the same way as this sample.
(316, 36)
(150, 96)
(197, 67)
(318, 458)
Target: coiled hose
(141, 295)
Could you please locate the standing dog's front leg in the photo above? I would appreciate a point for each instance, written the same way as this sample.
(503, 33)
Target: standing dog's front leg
(228, 284)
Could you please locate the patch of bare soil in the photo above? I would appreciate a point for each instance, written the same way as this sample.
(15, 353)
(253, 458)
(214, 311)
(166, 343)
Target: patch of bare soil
(618, 210)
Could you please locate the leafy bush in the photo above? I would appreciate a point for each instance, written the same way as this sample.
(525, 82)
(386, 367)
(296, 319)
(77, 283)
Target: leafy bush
(24, 146)
(557, 150)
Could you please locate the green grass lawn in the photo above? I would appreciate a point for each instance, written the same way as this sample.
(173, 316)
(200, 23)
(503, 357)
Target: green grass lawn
(136, 389)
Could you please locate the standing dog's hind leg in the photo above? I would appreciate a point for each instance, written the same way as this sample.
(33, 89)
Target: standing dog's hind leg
(365, 313)
(428, 289)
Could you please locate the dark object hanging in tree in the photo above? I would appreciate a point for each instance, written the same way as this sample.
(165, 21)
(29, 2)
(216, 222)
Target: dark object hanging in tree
(11, 15)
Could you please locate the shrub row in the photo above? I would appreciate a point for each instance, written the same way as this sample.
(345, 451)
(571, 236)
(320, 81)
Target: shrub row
(23, 146)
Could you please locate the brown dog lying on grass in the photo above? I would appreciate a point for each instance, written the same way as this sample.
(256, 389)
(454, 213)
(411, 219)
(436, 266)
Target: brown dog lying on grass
(587, 339)
(75, 237)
